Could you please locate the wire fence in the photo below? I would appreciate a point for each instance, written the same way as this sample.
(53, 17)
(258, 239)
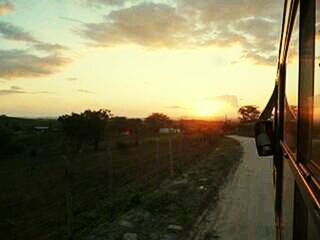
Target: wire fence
(56, 199)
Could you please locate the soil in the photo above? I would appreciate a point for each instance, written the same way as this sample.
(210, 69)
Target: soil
(171, 211)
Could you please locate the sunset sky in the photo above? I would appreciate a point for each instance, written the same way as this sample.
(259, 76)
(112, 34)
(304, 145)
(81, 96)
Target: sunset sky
(185, 58)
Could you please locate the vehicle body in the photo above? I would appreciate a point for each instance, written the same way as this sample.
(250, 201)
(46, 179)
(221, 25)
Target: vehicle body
(296, 123)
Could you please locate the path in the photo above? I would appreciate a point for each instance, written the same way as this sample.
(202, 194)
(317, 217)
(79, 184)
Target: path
(245, 209)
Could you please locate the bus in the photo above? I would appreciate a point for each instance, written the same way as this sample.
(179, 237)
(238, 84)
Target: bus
(289, 126)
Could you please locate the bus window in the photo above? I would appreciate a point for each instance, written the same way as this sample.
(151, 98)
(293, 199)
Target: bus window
(316, 102)
(292, 79)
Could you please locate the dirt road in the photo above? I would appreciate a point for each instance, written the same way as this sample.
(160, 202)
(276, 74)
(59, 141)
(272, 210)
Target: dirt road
(245, 209)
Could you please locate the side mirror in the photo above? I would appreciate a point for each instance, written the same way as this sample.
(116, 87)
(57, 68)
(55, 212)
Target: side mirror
(263, 132)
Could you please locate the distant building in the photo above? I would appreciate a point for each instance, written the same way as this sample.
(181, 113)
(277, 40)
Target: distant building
(41, 128)
(169, 130)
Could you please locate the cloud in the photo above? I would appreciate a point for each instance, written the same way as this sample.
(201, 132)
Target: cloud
(13, 32)
(18, 90)
(16, 64)
(254, 25)
(221, 12)
(230, 99)
(11, 90)
(42, 92)
(104, 2)
(147, 24)
(72, 79)
(48, 47)
(84, 91)
(176, 107)
(5, 7)
(15, 88)
(71, 20)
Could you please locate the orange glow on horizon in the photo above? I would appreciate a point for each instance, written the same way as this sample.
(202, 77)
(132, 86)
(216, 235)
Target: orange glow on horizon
(207, 109)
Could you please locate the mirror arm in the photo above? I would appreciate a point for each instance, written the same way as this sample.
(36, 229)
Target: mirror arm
(267, 111)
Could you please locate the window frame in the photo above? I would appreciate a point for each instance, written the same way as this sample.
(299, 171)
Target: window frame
(305, 179)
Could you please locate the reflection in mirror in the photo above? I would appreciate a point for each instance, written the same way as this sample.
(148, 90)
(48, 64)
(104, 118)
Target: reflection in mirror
(264, 138)
(292, 81)
(316, 102)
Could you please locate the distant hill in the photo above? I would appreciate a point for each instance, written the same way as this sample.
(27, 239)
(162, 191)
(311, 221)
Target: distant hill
(17, 123)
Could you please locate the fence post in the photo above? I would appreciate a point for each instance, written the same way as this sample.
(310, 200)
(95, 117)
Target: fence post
(170, 157)
(68, 196)
(158, 164)
(109, 169)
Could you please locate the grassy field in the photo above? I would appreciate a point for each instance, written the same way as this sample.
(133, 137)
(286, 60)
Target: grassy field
(177, 201)
(35, 186)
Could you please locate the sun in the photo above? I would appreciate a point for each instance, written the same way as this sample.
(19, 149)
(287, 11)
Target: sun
(206, 108)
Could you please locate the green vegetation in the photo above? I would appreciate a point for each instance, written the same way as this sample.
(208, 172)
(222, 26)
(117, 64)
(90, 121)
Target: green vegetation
(248, 113)
(100, 184)
(89, 126)
(178, 200)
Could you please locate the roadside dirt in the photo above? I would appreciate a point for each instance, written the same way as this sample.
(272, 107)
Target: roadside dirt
(171, 211)
(245, 206)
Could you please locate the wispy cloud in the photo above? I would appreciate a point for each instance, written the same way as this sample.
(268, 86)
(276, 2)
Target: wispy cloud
(18, 90)
(85, 91)
(72, 79)
(16, 64)
(12, 90)
(42, 92)
(71, 20)
(5, 7)
(49, 47)
(229, 99)
(177, 107)
(99, 3)
(13, 32)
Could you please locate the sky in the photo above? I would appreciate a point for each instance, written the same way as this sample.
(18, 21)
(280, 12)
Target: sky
(185, 58)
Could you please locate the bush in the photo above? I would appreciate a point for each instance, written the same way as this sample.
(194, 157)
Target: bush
(8, 142)
(123, 145)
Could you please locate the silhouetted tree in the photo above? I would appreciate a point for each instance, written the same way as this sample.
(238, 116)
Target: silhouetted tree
(5, 139)
(248, 113)
(118, 124)
(135, 125)
(88, 126)
(157, 120)
(8, 142)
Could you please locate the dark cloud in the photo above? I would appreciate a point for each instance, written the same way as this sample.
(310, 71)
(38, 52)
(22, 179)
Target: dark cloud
(13, 32)
(5, 7)
(230, 99)
(84, 91)
(255, 25)
(16, 64)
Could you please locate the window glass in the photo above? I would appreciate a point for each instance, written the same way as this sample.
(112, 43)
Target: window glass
(292, 79)
(316, 111)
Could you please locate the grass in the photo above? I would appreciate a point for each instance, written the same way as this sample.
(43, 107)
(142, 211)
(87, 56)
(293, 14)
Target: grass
(33, 204)
(177, 200)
